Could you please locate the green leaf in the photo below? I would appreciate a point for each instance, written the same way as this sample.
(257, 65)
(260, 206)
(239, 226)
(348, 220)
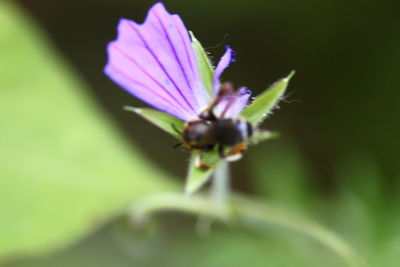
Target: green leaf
(197, 177)
(168, 123)
(265, 102)
(260, 136)
(64, 168)
(205, 67)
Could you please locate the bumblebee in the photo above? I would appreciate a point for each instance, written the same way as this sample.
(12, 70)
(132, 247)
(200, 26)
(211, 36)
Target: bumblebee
(209, 131)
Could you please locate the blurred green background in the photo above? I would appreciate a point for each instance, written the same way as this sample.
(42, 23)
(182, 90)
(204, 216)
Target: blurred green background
(72, 159)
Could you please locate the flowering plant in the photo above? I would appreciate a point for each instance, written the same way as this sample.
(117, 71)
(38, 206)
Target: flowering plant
(164, 65)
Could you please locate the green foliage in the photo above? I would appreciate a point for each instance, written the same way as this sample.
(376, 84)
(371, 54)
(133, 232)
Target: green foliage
(168, 123)
(264, 103)
(177, 247)
(205, 67)
(251, 214)
(260, 136)
(197, 177)
(64, 170)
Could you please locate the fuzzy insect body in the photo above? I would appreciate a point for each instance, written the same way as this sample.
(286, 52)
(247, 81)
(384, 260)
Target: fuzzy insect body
(210, 130)
(204, 135)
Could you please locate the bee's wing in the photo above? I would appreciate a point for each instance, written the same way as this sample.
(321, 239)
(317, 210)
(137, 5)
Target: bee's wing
(155, 62)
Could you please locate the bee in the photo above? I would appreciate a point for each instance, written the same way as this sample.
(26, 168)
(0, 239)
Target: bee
(209, 131)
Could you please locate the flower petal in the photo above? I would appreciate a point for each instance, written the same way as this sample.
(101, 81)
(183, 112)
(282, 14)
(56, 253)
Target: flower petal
(224, 62)
(155, 62)
(240, 103)
(231, 105)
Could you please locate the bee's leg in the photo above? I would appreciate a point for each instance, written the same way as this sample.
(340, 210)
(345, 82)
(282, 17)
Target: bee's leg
(176, 129)
(236, 152)
(225, 89)
(199, 163)
(208, 115)
(207, 148)
(221, 151)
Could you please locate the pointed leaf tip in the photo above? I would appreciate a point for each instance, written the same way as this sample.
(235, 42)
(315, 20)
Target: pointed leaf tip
(133, 109)
(266, 101)
(291, 74)
(164, 121)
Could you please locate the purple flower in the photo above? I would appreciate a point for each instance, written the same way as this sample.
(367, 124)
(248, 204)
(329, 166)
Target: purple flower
(155, 62)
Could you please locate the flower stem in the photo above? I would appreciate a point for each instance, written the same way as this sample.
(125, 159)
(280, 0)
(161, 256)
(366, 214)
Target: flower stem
(220, 189)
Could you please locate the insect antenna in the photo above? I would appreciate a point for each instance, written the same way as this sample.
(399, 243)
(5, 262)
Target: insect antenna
(177, 146)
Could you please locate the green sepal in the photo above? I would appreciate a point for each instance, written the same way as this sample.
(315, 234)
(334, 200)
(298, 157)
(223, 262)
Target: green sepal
(197, 177)
(168, 123)
(260, 136)
(264, 103)
(204, 65)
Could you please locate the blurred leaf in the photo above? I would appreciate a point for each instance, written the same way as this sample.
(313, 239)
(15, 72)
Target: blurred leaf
(264, 103)
(168, 123)
(64, 170)
(197, 177)
(180, 245)
(205, 68)
(250, 213)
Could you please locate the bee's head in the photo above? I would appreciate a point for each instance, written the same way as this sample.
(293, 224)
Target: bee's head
(197, 134)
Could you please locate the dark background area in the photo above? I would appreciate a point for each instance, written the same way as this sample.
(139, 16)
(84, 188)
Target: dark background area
(344, 98)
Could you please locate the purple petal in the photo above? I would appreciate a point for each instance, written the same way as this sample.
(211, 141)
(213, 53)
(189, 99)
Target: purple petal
(231, 105)
(224, 62)
(156, 63)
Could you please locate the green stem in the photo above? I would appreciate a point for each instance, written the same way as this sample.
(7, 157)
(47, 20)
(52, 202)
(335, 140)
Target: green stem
(251, 210)
(246, 211)
(220, 188)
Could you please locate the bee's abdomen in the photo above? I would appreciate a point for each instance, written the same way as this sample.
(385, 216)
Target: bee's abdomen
(230, 132)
